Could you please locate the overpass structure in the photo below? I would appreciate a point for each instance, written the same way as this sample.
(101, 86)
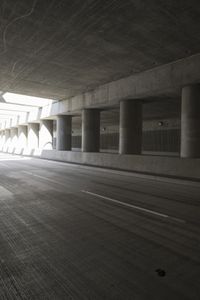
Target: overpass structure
(29, 130)
(99, 149)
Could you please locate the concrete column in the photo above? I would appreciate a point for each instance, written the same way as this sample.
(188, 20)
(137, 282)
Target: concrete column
(13, 139)
(90, 130)
(33, 136)
(130, 133)
(190, 121)
(22, 138)
(2, 140)
(46, 135)
(7, 140)
(64, 133)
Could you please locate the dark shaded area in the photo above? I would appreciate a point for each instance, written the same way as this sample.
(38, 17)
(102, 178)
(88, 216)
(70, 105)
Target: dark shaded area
(60, 243)
(61, 48)
(161, 128)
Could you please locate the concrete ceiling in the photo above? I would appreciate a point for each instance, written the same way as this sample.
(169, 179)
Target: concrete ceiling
(57, 49)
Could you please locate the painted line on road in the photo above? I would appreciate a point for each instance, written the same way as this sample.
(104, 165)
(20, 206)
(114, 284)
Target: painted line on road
(113, 200)
(134, 207)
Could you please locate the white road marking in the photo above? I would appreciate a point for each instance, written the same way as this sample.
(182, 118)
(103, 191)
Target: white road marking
(135, 207)
(113, 200)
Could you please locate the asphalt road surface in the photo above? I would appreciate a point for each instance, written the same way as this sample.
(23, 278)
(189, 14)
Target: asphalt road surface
(72, 232)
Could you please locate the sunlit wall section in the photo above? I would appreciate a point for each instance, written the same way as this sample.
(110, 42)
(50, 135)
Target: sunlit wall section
(22, 139)
(2, 139)
(33, 137)
(25, 134)
(7, 140)
(46, 135)
(13, 140)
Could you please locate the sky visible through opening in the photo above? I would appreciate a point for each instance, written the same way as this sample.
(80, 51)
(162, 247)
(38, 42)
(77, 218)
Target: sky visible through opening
(15, 105)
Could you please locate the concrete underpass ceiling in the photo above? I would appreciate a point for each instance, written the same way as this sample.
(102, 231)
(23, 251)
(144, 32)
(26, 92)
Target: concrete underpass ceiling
(60, 48)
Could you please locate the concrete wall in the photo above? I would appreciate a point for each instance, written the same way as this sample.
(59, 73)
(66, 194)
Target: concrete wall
(147, 164)
(165, 166)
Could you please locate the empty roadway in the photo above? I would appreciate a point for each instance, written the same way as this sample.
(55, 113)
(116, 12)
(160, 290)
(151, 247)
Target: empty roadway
(74, 232)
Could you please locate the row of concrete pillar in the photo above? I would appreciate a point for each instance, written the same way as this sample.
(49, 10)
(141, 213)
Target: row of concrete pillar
(130, 129)
(41, 135)
(90, 131)
(31, 137)
(130, 134)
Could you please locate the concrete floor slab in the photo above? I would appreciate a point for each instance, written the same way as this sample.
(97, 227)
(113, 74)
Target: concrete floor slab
(58, 242)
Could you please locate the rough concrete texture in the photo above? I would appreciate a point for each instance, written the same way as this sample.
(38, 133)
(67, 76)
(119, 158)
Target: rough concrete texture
(159, 83)
(190, 121)
(61, 48)
(130, 128)
(64, 133)
(90, 130)
(33, 136)
(158, 165)
(22, 138)
(46, 134)
(60, 242)
(13, 139)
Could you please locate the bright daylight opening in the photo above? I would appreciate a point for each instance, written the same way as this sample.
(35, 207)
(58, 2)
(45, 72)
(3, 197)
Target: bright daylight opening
(11, 112)
(12, 109)
(26, 100)
(13, 105)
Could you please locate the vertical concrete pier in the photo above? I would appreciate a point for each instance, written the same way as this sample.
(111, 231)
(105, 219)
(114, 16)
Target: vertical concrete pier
(64, 133)
(13, 139)
(7, 140)
(190, 121)
(90, 130)
(130, 134)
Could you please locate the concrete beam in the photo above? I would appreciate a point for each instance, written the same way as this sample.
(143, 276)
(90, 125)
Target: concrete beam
(161, 81)
(164, 80)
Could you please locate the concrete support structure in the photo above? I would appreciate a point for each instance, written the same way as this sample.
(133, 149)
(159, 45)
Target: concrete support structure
(190, 121)
(22, 138)
(46, 135)
(7, 140)
(13, 139)
(64, 133)
(130, 133)
(33, 136)
(2, 140)
(90, 130)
